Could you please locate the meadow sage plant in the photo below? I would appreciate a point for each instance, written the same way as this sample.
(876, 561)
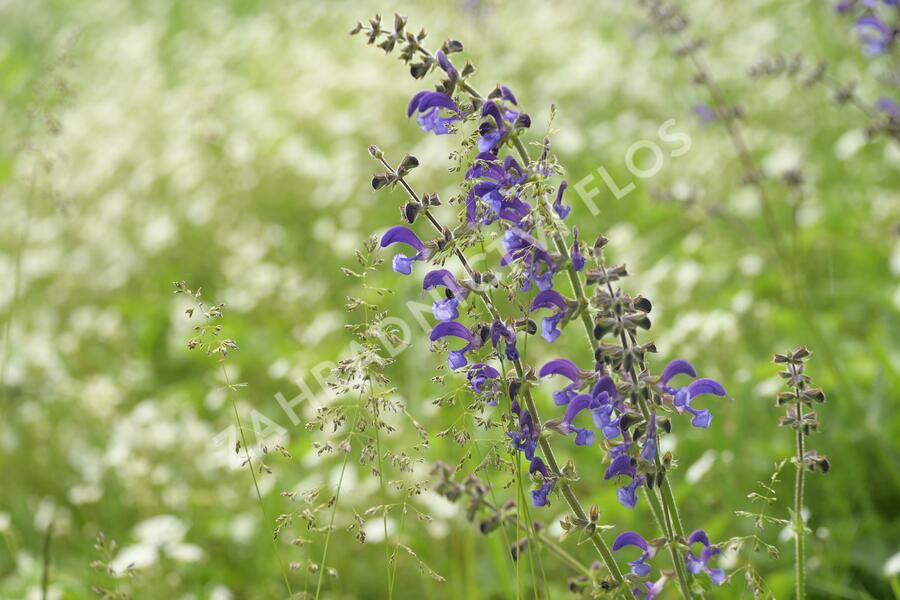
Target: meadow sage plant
(513, 200)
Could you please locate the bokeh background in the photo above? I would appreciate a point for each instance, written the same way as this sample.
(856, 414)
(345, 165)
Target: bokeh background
(224, 143)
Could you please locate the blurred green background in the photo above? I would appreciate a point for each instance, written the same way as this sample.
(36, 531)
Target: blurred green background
(224, 143)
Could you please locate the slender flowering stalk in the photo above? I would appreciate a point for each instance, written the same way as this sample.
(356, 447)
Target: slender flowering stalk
(513, 196)
(800, 394)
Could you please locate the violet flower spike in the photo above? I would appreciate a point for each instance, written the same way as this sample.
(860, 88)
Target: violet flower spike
(639, 567)
(697, 565)
(566, 368)
(402, 235)
(684, 395)
(456, 358)
(429, 105)
(445, 309)
(549, 325)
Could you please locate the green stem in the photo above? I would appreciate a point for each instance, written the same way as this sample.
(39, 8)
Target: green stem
(799, 492)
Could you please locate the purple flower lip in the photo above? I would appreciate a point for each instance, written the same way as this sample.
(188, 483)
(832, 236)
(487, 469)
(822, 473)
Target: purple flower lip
(456, 358)
(677, 367)
(558, 207)
(441, 277)
(698, 565)
(630, 538)
(402, 235)
(561, 366)
(425, 100)
(548, 299)
(621, 465)
(605, 385)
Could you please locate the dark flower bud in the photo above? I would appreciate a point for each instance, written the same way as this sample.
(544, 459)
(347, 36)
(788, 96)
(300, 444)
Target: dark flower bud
(485, 333)
(422, 34)
(643, 304)
(408, 163)
(451, 46)
(375, 151)
(489, 524)
(379, 180)
(599, 243)
(628, 420)
(388, 44)
(356, 29)
(468, 69)
(399, 23)
(514, 386)
(419, 70)
(523, 121)
(665, 425)
(814, 394)
(410, 211)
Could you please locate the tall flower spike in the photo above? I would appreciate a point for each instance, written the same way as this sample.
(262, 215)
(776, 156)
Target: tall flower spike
(566, 368)
(402, 235)
(549, 325)
(639, 567)
(445, 309)
(697, 565)
(457, 358)
(429, 105)
(684, 395)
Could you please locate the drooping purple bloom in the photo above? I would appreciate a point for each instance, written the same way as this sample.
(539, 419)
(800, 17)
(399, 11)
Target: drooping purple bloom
(566, 368)
(496, 119)
(456, 358)
(402, 235)
(539, 496)
(550, 299)
(648, 450)
(445, 309)
(558, 207)
(479, 374)
(684, 395)
(430, 105)
(875, 36)
(697, 564)
(447, 66)
(627, 494)
(639, 567)
(499, 331)
(577, 256)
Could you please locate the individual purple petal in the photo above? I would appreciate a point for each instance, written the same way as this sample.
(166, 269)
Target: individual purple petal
(702, 417)
(630, 538)
(698, 535)
(447, 66)
(580, 403)
(446, 309)
(451, 328)
(565, 395)
(561, 366)
(548, 299)
(627, 495)
(506, 94)
(441, 277)
(583, 436)
(705, 386)
(676, 367)
(605, 385)
(401, 235)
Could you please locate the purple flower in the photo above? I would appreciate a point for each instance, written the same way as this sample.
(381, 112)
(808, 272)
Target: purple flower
(539, 496)
(874, 35)
(457, 358)
(577, 256)
(539, 266)
(639, 567)
(445, 309)
(583, 436)
(558, 207)
(429, 106)
(566, 368)
(499, 331)
(402, 235)
(550, 299)
(525, 440)
(479, 374)
(695, 565)
(648, 450)
(890, 107)
(447, 66)
(706, 114)
(496, 114)
(652, 590)
(684, 395)
(624, 465)
(608, 403)
(497, 189)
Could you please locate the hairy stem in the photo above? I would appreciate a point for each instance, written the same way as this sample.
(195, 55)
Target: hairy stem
(799, 492)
